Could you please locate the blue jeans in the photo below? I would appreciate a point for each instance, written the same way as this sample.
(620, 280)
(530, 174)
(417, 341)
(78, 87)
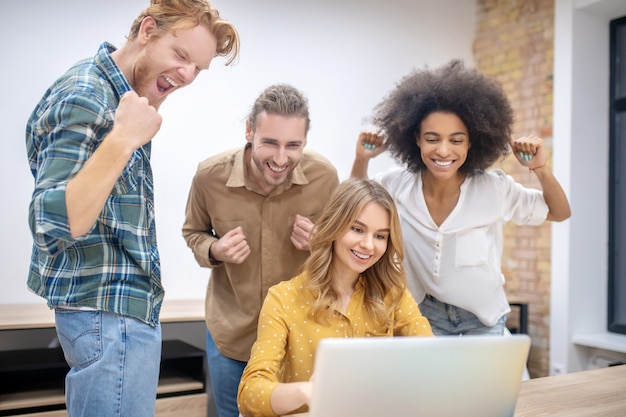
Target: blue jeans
(446, 319)
(114, 361)
(224, 375)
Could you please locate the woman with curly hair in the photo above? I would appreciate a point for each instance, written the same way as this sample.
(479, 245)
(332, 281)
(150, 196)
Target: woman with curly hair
(352, 285)
(447, 126)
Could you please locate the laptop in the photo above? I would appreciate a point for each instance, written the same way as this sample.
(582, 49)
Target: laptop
(445, 376)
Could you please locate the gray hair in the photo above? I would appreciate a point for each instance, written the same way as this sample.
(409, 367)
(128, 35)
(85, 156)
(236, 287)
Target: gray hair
(281, 99)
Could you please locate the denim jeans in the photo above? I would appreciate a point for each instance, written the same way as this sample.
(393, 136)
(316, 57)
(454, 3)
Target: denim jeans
(224, 375)
(446, 319)
(114, 363)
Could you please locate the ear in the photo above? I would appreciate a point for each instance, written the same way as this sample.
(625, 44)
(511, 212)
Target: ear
(147, 29)
(249, 132)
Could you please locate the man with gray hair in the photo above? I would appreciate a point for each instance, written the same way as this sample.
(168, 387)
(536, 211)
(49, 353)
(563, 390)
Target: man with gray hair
(249, 216)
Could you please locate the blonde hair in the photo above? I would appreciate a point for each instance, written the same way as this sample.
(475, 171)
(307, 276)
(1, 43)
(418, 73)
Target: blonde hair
(172, 15)
(384, 281)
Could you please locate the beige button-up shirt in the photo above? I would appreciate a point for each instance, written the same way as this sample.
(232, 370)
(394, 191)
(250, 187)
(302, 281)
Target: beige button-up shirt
(222, 197)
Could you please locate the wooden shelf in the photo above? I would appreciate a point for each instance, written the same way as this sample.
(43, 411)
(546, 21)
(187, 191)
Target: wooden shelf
(32, 399)
(177, 384)
(39, 316)
(33, 379)
(193, 405)
(56, 396)
(181, 383)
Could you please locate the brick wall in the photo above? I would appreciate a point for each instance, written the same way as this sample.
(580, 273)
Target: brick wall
(515, 43)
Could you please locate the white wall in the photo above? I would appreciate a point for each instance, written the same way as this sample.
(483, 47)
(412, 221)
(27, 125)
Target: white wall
(345, 55)
(578, 320)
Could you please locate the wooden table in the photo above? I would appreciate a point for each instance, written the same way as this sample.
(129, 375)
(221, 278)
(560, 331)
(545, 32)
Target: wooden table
(595, 393)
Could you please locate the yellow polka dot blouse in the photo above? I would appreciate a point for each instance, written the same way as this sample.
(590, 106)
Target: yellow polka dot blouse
(287, 339)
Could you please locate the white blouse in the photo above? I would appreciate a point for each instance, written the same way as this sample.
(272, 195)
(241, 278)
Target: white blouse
(459, 262)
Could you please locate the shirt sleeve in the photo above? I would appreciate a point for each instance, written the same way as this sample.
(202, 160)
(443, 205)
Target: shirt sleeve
(62, 137)
(262, 373)
(393, 178)
(520, 204)
(198, 226)
(409, 321)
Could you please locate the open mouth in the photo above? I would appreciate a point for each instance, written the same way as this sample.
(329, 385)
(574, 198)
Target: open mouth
(165, 84)
(361, 255)
(442, 163)
(275, 169)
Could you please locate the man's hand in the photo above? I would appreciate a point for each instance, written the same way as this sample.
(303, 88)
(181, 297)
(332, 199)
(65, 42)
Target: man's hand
(232, 247)
(303, 229)
(136, 121)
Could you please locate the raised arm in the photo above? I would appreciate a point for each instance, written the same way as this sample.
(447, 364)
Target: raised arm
(369, 145)
(136, 123)
(553, 194)
(530, 152)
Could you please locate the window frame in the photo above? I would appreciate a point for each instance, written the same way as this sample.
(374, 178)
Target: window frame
(617, 191)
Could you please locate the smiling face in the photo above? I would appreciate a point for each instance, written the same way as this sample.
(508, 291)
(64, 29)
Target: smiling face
(277, 146)
(364, 243)
(170, 61)
(444, 144)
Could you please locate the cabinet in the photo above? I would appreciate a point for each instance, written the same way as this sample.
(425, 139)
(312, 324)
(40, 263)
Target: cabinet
(32, 380)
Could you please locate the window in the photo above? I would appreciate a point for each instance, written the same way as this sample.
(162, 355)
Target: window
(617, 179)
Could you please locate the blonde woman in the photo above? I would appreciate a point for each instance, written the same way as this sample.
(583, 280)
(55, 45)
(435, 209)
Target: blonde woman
(352, 285)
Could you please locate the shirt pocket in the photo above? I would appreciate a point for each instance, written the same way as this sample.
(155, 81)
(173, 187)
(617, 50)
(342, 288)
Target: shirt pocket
(471, 247)
(221, 227)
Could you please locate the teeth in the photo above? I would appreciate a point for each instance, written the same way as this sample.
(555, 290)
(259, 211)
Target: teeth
(276, 169)
(443, 163)
(361, 255)
(169, 80)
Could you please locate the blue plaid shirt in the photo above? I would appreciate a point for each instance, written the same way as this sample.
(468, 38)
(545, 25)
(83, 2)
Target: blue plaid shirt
(115, 267)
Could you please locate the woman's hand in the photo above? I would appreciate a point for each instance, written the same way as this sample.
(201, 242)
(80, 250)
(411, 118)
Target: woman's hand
(290, 396)
(529, 151)
(370, 144)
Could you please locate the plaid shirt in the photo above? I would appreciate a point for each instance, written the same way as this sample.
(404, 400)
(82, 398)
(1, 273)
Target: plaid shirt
(115, 266)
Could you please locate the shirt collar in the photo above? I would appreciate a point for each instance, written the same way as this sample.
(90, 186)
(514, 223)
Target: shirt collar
(110, 69)
(238, 178)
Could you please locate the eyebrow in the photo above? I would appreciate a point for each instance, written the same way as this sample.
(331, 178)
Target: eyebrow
(430, 132)
(379, 230)
(290, 142)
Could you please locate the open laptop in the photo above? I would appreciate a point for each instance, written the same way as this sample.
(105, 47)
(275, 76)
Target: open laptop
(446, 376)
